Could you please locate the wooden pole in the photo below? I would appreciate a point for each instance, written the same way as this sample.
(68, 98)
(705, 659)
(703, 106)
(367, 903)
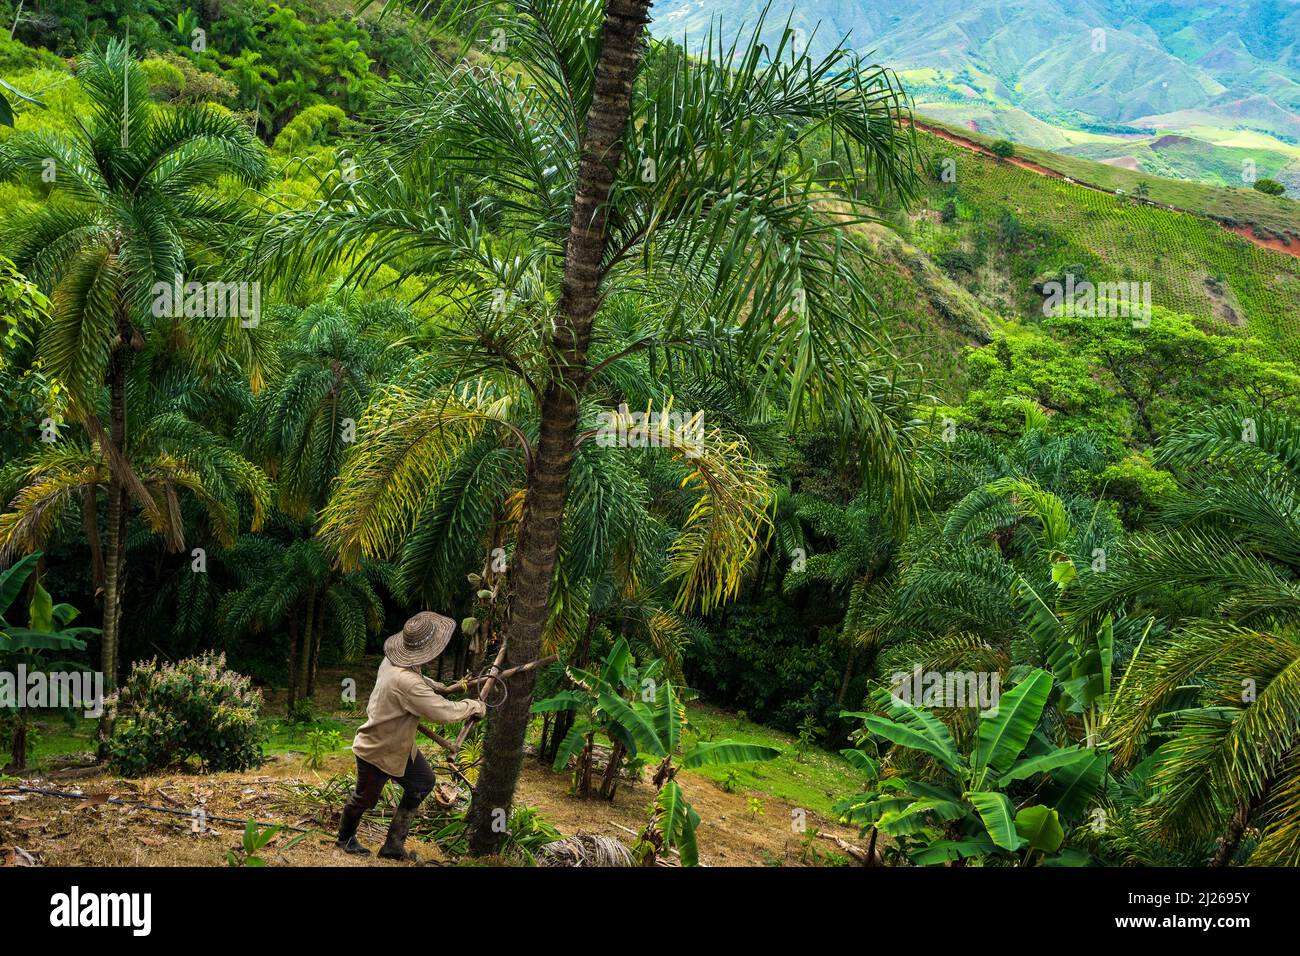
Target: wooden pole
(466, 683)
(453, 747)
(493, 673)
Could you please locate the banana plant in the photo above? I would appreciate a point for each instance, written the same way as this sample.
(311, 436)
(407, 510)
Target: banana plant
(617, 675)
(656, 727)
(647, 719)
(1081, 655)
(47, 630)
(966, 810)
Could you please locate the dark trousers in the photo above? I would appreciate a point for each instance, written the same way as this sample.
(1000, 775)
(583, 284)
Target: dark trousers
(416, 783)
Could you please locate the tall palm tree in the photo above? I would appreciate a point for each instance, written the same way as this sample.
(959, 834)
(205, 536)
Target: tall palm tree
(581, 169)
(333, 356)
(856, 544)
(999, 511)
(131, 205)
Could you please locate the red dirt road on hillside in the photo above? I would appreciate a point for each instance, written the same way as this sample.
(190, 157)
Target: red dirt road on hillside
(1246, 232)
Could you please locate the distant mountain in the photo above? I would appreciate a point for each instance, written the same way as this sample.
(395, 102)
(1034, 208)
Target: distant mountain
(1115, 69)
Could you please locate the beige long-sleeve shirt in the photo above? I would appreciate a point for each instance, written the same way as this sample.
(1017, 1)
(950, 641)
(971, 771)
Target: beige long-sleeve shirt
(400, 700)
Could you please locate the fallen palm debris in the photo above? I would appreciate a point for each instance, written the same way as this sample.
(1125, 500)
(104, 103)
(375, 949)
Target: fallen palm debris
(141, 805)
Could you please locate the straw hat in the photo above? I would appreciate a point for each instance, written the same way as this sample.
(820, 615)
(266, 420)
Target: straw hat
(421, 639)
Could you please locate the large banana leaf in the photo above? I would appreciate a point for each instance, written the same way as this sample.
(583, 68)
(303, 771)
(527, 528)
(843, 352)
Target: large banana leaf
(616, 661)
(914, 739)
(922, 788)
(1054, 760)
(1074, 784)
(573, 742)
(12, 579)
(41, 611)
(999, 818)
(677, 822)
(859, 760)
(719, 752)
(945, 851)
(19, 639)
(865, 811)
(564, 700)
(1041, 828)
(921, 720)
(669, 717)
(913, 818)
(1003, 735)
(636, 719)
(619, 733)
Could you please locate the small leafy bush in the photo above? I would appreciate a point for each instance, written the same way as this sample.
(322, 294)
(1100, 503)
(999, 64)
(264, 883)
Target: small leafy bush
(309, 128)
(956, 260)
(320, 744)
(167, 714)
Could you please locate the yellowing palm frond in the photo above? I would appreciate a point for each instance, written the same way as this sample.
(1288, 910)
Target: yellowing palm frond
(730, 518)
(407, 445)
(50, 481)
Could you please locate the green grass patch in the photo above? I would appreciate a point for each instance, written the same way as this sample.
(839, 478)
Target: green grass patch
(809, 777)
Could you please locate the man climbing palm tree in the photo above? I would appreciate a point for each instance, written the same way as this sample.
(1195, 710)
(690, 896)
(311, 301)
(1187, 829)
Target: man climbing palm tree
(385, 745)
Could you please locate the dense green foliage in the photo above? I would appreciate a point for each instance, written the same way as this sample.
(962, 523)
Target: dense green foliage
(850, 441)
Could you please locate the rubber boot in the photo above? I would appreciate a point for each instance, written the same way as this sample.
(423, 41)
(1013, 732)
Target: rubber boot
(347, 839)
(395, 845)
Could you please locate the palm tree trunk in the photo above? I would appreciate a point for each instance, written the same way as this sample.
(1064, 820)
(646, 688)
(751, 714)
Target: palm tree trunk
(18, 742)
(291, 692)
(308, 636)
(90, 520)
(1230, 842)
(544, 746)
(315, 648)
(847, 679)
(115, 535)
(547, 488)
(315, 664)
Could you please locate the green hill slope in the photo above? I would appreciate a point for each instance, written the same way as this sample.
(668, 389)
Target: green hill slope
(1276, 215)
(1011, 226)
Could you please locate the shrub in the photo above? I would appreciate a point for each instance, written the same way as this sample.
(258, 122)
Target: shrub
(1270, 187)
(792, 672)
(1003, 149)
(197, 85)
(166, 81)
(196, 708)
(956, 260)
(949, 211)
(311, 127)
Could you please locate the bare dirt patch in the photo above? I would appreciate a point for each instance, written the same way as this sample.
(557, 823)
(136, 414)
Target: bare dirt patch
(54, 831)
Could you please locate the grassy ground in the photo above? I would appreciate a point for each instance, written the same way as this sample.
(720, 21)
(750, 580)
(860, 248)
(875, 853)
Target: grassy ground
(804, 775)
